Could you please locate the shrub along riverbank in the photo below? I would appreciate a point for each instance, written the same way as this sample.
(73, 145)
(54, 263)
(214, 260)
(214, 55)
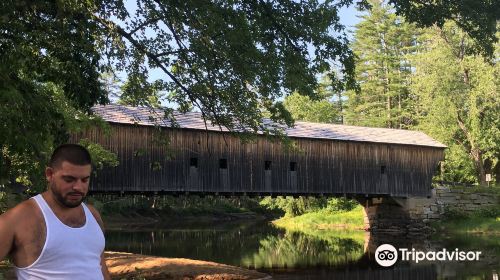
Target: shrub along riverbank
(483, 221)
(320, 213)
(325, 219)
(302, 213)
(331, 212)
(136, 210)
(291, 213)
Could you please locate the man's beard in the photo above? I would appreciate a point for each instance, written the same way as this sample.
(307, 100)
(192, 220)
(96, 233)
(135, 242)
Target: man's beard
(64, 201)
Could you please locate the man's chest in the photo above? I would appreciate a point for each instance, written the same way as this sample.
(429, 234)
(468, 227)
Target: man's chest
(31, 237)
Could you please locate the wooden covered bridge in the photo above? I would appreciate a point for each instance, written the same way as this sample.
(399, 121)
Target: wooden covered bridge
(330, 160)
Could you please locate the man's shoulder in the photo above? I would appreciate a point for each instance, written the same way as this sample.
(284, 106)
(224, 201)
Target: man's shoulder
(25, 211)
(96, 214)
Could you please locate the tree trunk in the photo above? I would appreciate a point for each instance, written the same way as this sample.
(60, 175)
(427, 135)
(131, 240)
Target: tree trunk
(475, 152)
(477, 156)
(388, 108)
(341, 109)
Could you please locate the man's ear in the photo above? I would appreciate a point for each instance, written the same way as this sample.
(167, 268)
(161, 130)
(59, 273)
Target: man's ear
(49, 172)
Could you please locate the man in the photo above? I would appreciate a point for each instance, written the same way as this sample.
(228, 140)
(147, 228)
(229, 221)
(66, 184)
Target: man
(54, 235)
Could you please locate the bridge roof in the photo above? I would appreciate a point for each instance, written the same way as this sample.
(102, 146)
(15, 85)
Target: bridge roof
(193, 120)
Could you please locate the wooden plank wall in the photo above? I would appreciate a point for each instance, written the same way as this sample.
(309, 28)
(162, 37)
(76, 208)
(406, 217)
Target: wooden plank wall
(192, 161)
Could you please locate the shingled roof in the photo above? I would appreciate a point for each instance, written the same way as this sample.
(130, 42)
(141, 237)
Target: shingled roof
(193, 120)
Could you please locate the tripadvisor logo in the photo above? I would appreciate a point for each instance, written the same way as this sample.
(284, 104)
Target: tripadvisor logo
(386, 255)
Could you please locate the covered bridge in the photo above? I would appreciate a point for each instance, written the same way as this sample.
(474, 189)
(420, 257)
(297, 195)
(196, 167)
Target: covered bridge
(330, 159)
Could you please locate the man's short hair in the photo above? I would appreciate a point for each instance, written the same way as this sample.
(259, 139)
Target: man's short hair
(73, 153)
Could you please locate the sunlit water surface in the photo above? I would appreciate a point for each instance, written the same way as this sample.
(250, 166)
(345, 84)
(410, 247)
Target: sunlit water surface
(322, 254)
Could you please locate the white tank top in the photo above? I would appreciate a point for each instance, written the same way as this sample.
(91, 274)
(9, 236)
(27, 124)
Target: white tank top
(68, 253)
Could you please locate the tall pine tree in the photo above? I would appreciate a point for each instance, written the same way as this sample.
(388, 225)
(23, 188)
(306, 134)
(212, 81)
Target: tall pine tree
(382, 43)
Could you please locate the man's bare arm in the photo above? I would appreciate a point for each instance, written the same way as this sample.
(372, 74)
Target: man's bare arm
(7, 231)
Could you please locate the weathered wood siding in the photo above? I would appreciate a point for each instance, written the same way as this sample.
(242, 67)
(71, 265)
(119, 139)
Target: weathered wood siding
(322, 166)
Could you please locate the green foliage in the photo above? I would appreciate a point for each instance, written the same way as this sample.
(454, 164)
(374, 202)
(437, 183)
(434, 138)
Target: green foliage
(484, 220)
(110, 205)
(458, 103)
(294, 206)
(231, 60)
(488, 212)
(298, 206)
(477, 17)
(456, 213)
(325, 219)
(137, 90)
(9, 200)
(100, 156)
(326, 108)
(341, 204)
(382, 44)
(303, 108)
(49, 65)
(431, 80)
(304, 248)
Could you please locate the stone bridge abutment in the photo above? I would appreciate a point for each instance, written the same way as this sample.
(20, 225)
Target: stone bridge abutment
(412, 216)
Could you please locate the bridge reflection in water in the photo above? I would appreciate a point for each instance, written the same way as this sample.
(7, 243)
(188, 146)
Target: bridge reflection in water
(296, 255)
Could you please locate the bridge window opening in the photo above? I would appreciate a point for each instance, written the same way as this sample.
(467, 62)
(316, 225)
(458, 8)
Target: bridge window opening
(293, 166)
(223, 163)
(193, 162)
(267, 165)
(382, 169)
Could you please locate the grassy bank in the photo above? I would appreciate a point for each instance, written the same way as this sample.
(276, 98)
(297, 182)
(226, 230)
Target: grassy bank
(483, 221)
(324, 219)
(475, 225)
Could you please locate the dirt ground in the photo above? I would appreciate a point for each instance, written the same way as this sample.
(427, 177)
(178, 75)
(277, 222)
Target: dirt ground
(131, 266)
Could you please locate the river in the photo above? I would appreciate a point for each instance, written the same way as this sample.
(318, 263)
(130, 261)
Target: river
(309, 254)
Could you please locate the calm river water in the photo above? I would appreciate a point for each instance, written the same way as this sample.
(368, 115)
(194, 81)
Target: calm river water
(306, 255)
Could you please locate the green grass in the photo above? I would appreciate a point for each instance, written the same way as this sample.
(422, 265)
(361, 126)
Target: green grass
(481, 225)
(324, 219)
(485, 220)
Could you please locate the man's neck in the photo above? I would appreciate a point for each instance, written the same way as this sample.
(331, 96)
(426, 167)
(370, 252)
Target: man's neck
(72, 217)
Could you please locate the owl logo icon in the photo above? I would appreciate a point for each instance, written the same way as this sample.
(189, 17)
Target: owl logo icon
(386, 255)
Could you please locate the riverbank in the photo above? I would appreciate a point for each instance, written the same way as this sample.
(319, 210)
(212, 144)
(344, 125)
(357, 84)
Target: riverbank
(157, 219)
(134, 266)
(483, 221)
(325, 220)
(144, 211)
(471, 225)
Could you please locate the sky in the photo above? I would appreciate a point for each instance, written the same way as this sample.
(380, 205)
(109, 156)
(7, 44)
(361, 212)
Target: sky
(349, 17)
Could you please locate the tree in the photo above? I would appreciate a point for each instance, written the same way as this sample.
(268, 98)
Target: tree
(459, 102)
(476, 18)
(382, 43)
(232, 60)
(326, 109)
